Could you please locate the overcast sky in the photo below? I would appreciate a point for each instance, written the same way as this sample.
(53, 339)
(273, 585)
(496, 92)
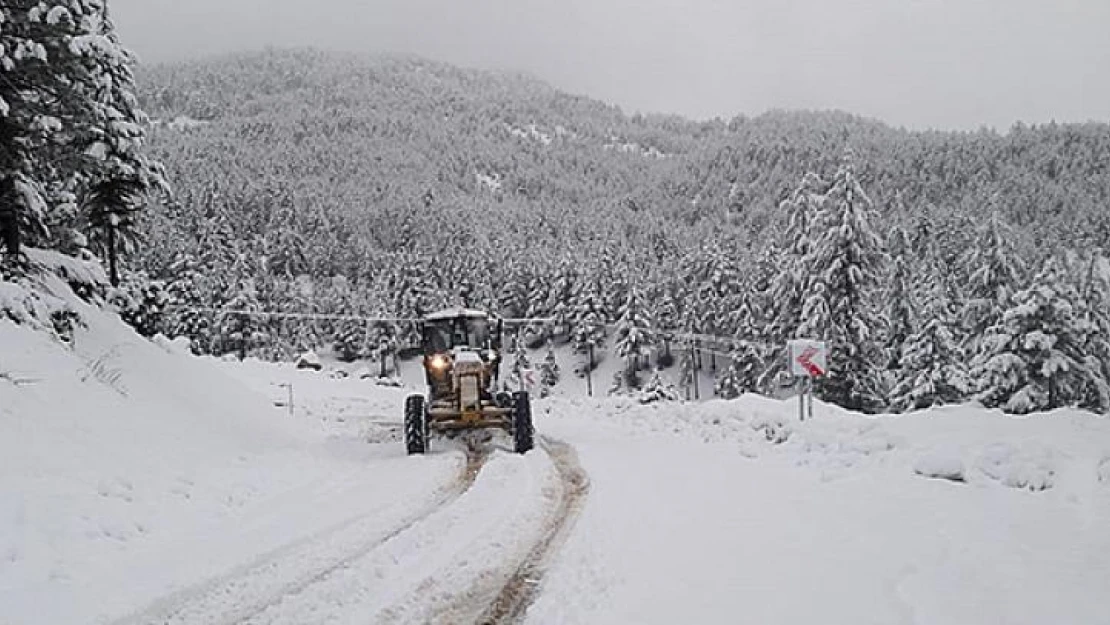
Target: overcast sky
(918, 63)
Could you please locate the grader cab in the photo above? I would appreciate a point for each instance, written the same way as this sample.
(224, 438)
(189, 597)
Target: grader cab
(462, 359)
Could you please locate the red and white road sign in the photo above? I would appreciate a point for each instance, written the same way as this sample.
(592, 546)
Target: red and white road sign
(808, 358)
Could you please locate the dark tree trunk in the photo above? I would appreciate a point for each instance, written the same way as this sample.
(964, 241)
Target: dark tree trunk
(113, 259)
(9, 217)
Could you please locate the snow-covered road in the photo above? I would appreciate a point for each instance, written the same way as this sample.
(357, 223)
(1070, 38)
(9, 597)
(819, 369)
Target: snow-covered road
(470, 550)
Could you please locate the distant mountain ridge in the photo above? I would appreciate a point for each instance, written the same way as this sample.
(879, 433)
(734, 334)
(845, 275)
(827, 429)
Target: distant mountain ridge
(428, 126)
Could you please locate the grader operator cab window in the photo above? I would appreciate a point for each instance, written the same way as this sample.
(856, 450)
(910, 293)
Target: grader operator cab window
(437, 337)
(443, 335)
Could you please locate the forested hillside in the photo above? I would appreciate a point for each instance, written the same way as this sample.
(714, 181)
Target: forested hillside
(940, 266)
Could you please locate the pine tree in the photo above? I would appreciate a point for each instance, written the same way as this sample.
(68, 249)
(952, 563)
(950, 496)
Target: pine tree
(521, 362)
(1034, 358)
(240, 331)
(899, 300)
(792, 278)
(742, 374)
(183, 298)
(991, 272)
(841, 307)
(932, 365)
(68, 116)
(549, 372)
(632, 335)
(1093, 308)
(588, 329)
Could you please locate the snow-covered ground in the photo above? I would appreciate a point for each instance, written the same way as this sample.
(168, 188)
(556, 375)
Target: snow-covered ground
(138, 485)
(734, 512)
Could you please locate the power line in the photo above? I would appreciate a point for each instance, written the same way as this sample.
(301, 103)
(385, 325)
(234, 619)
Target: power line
(701, 342)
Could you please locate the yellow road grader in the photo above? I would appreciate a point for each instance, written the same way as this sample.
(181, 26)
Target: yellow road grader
(462, 360)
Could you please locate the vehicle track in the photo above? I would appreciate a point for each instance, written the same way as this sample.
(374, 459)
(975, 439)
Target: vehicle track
(523, 586)
(273, 576)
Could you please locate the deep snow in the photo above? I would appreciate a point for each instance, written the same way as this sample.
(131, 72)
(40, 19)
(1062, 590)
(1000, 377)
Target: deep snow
(131, 472)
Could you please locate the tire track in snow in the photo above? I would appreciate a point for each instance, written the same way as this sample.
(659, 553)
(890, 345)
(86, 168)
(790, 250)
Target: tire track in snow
(523, 587)
(248, 591)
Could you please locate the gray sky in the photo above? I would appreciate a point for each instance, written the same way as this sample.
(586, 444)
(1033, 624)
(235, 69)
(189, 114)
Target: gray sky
(918, 63)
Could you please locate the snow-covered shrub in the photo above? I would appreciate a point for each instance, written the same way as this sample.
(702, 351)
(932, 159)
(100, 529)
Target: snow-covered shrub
(945, 464)
(28, 303)
(1032, 470)
(141, 303)
(657, 390)
(180, 345)
(773, 426)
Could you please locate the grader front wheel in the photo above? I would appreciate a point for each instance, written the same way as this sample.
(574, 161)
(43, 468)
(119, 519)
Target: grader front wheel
(416, 429)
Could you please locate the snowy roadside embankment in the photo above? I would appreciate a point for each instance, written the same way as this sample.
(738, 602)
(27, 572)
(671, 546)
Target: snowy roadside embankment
(128, 471)
(725, 512)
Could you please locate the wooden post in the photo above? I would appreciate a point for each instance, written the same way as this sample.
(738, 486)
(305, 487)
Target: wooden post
(695, 358)
(801, 399)
(242, 336)
(589, 372)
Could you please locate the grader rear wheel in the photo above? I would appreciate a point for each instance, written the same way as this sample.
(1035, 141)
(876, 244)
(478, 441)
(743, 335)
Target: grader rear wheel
(523, 433)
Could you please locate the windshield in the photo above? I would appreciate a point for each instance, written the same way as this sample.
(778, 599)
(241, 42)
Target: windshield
(444, 334)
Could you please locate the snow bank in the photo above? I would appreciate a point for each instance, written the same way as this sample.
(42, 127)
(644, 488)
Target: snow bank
(129, 469)
(736, 511)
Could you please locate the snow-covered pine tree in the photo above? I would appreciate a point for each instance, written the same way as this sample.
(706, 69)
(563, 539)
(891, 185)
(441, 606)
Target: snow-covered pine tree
(68, 117)
(1093, 307)
(742, 374)
(549, 372)
(840, 308)
(588, 325)
(183, 299)
(991, 271)
(520, 362)
(1034, 358)
(932, 365)
(632, 336)
(792, 279)
(746, 359)
(560, 300)
(899, 299)
(239, 332)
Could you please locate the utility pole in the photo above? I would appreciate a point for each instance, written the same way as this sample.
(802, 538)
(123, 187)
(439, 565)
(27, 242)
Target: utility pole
(695, 359)
(589, 372)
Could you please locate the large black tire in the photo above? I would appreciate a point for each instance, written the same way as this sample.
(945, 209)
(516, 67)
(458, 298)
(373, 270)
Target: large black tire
(523, 433)
(416, 429)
